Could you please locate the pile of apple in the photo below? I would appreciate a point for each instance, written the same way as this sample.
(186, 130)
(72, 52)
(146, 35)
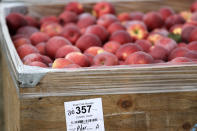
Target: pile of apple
(80, 39)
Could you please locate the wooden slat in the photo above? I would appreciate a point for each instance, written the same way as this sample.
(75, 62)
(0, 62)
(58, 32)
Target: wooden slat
(119, 81)
(121, 6)
(1, 96)
(11, 100)
(126, 112)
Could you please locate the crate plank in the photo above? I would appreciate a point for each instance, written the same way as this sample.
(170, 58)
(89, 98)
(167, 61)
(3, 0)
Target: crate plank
(1, 96)
(125, 80)
(11, 100)
(121, 6)
(126, 112)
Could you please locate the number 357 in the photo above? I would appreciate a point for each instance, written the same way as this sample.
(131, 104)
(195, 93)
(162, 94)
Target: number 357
(83, 109)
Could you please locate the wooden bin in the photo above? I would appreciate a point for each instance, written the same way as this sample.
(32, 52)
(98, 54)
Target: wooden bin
(145, 98)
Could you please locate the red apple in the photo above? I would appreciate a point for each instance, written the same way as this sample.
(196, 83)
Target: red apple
(125, 50)
(26, 49)
(192, 46)
(61, 63)
(139, 57)
(178, 60)
(186, 15)
(191, 55)
(176, 29)
(68, 17)
(54, 43)
(137, 30)
(88, 40)
(41, 48)
(154, 37)
(116, 26)
(94, 50)
(74, 7)
(173, 20)
(182, 44)
(90, 58)
(158, 52)
(102, 8)
(121, 37)
(71, 32)
(27, 30)
(78, 58)
(31, 58)
(38, 63)
(178, 52)
(85, 20)
(136, 15)
(193, 7)
(38, 37)
(106, 20)
(47, 60)
(99, 31)
(105, 58)
(125, 16)
(64, 50)
(193, 19)
(51, 29)
(186, 32)
(153, 20)
(15, 21)
(48, 19)
(111, 46)
(144, 44)
(31, 21)
(161, 31)
(193, 36)
(21, 41)
(166, 12)
(18, 36)
(167, 43)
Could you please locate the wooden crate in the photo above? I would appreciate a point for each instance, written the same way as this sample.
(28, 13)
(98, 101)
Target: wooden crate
(145, 98)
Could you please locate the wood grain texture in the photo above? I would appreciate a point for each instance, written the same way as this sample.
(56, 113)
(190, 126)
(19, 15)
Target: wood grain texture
(120, 6)
(1, 96)
(121, 81)
(11, 100)
(126, 112)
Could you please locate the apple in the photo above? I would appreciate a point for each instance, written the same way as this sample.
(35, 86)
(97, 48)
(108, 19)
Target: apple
(102, 8)
(105, 58)
(88, 40)
(78, 58)
(121, 37)
(74, 7)
(125, 50)
(139, 57)
(137, 30)
(153, 20)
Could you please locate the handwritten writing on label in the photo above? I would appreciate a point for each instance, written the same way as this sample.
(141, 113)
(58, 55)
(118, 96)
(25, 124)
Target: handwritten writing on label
(84, 115)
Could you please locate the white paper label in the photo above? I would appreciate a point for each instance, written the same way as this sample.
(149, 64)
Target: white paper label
(84, 115)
